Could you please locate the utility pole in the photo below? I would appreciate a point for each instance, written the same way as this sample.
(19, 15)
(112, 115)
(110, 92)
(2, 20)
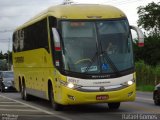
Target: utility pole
(8, 54)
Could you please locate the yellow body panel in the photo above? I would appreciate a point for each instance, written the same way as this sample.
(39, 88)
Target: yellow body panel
(36, 66)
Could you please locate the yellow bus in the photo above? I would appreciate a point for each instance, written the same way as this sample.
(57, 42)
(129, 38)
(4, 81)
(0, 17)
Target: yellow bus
(76, 54)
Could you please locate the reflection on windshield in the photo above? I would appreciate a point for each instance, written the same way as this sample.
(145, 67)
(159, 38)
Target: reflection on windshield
(97, 47)
(8, 74)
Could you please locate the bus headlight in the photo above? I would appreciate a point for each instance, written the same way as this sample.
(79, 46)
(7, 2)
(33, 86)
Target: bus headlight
(130, 82)
(70, 85)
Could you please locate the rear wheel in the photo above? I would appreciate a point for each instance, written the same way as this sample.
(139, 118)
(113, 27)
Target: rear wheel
(24, 94)
(156, 99)
(114, 106)
(55, 105)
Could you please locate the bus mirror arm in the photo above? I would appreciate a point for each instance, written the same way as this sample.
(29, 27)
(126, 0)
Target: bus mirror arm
(139, 34)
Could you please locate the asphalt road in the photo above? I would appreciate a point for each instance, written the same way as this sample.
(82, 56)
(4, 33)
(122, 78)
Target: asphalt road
(13, 108)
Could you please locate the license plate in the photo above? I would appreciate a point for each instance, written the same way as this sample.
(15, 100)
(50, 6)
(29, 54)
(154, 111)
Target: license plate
(102, 97)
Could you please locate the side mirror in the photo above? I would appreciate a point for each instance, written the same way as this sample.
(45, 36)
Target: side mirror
(57, 46)
(56, 38)
(139, 34)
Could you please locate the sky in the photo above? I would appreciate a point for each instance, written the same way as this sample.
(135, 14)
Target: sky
(14, 13)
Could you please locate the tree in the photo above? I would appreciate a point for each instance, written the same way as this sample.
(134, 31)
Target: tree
(150, 52)
(1, 55)
(5, 60)
(149, 18)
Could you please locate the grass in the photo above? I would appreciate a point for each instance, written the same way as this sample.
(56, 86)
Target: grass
(146, 88)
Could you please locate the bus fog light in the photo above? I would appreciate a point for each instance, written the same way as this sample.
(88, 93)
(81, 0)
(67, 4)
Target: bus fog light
(6, 88)
(129, 94)
(70, 85)
(71, 97)
(130, 82)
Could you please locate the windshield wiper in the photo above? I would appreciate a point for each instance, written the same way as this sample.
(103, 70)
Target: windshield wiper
(108, 59)
(92, 61)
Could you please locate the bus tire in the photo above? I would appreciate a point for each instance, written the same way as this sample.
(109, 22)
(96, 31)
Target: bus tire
(114, 106)
(55, 105)
(24, 94)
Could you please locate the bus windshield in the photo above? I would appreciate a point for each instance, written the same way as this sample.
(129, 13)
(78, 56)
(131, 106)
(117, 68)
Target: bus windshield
(97, 46)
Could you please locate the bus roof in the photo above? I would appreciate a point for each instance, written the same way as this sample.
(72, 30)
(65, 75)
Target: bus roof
(79, 11)
(83, 11)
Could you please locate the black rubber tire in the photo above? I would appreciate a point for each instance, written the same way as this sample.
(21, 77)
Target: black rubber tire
(114, 106)
(24, 94)
(55, 106)
(156, 100)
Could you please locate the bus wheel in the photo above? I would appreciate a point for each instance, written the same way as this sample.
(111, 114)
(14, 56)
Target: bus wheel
(114, 106)
(24, 94)
(55, 105)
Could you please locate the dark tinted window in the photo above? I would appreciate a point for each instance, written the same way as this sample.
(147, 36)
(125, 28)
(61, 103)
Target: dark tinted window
(32, 37)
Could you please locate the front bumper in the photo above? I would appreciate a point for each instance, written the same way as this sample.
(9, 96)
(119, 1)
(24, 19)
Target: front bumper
(9, 88)
(70, 97)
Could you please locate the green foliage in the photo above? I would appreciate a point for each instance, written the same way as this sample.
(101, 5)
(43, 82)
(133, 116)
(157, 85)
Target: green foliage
(146, 74)
(145, 88)
(3, 64)
(149, 17)
(4, 59)
(150, 53)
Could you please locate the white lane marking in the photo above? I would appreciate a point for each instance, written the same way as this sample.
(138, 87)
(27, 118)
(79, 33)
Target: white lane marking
(47, 112)
(8, 102)
(39, 109)
(23, 110)
(14, 105)
(148, 99)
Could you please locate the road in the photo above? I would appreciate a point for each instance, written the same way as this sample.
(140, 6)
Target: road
(13, 108)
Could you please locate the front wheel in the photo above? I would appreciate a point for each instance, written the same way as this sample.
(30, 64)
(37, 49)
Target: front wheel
(55, 105)
(114, 106)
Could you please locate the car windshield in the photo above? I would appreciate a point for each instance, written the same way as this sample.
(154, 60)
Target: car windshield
(8, 74)
(97, 46)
